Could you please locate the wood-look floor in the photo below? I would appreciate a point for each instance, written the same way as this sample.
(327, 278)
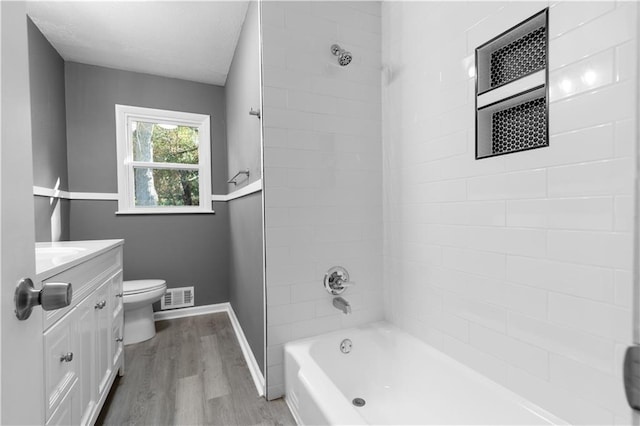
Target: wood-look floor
(191, 372)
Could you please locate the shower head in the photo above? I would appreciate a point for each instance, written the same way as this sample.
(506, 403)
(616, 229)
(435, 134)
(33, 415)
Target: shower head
(344, 57)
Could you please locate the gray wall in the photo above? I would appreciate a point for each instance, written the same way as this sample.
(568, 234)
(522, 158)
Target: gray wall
(243, 93)
(246, 270)
(184, 249)
(49, 135)
(245, 214)
(91, 95)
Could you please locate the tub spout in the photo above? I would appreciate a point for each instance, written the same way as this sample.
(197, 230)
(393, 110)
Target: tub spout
(342, 304)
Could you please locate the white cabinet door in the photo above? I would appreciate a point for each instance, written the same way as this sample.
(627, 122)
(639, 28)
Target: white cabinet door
(85, 319)
(103, 308)
(67, 412)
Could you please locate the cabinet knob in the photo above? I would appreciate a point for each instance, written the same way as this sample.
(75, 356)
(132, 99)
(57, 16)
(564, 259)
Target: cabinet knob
(101, 304)
(119, 339)
(119, 295)
(68, 357)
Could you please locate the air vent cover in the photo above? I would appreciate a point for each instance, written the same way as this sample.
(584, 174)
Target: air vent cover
(177, 298)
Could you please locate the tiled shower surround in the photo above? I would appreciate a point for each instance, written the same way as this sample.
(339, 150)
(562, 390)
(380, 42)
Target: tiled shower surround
(323, 169)
(520, 265)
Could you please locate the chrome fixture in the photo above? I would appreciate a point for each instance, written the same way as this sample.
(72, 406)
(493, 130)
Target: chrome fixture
(241, 172)
(255, 112)
(52, 296)
(345, 346)
(344, 57)
(68, 357)
(342, 304)
(336, 280)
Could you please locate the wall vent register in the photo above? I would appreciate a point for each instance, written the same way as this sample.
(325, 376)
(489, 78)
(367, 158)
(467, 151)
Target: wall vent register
(512, 108)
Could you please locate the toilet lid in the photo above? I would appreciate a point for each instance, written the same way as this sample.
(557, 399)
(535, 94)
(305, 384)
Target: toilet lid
(140, 286)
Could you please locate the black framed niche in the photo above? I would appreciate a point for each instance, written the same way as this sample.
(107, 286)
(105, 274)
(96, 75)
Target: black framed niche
(512, 94)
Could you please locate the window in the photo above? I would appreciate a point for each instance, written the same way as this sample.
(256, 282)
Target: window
(164, 161)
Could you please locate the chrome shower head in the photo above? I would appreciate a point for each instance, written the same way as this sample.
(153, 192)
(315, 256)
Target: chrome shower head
(344, 57)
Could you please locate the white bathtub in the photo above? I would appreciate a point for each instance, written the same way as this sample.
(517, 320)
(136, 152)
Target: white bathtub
(402, 380)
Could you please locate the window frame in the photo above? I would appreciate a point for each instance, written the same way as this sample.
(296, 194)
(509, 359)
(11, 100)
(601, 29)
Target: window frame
(125, 114)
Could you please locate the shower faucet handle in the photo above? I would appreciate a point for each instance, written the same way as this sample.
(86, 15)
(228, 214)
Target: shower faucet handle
(336, 280)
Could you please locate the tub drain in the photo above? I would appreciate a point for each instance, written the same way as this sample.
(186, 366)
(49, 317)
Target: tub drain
(358, 402)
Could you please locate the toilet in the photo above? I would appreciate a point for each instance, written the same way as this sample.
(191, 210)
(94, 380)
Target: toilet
(138, 296)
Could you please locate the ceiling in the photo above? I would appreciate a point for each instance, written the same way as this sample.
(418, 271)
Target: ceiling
(180, 39)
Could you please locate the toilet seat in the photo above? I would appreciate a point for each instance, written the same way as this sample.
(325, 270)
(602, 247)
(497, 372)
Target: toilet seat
(141, 286)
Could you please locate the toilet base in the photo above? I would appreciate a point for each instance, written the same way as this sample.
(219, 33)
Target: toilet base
(138, 324)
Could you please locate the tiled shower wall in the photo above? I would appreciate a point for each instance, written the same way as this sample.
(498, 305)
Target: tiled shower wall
(322, 169)
(519, 266)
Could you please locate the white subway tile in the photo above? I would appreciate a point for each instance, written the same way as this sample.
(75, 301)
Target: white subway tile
(624, 214)
(447, 323)
(480, 361)
(519, 354)
(477, 262)
(582, 76)
(290, 313)
(593, 143)
(599, 318)
(566, 16)
(624, 288)
(528, 184)
(278, 334)
(592, 248)
(276, 77)
(516, 298)
(279, 295)
(606, 177)
(606, 31)
(287, 119)
(526, 242)
(496, 23)
(313, 327)
(624, 140)
(604, 105)
(578, 280)
(485, 314)
(309, 25)
(275, 355)
(593, 385)
(594, 213)
(625, 61)
(594, 351)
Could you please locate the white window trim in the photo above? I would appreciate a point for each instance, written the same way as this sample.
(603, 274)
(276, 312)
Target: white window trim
(124, 115)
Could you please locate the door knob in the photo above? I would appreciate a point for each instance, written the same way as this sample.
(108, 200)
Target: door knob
(52, 296)
(68, 357)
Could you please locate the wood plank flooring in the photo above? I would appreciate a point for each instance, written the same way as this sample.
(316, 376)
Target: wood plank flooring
(191, 372)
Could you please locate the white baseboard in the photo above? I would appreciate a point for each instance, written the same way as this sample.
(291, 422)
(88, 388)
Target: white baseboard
(252, 363)
(191, 312)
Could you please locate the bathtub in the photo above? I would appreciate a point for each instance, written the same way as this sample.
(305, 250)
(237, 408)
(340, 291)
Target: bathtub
(401, 380)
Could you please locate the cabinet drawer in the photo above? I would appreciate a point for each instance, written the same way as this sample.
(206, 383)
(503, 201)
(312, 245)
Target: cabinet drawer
(60, 361)
(84, 278)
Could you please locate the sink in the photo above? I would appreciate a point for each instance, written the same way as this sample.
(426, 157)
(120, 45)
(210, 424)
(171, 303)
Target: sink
(54, 256)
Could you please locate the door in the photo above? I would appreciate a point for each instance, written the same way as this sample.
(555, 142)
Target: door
(21, 350)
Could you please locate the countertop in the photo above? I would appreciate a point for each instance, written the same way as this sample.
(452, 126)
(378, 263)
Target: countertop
(55, 257)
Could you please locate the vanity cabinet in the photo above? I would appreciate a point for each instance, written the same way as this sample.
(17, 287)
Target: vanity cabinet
(83, 349)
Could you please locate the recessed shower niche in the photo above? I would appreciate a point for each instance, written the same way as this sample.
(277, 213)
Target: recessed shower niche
(512, 106)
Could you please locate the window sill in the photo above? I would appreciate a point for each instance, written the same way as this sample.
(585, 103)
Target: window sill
(164, 211)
